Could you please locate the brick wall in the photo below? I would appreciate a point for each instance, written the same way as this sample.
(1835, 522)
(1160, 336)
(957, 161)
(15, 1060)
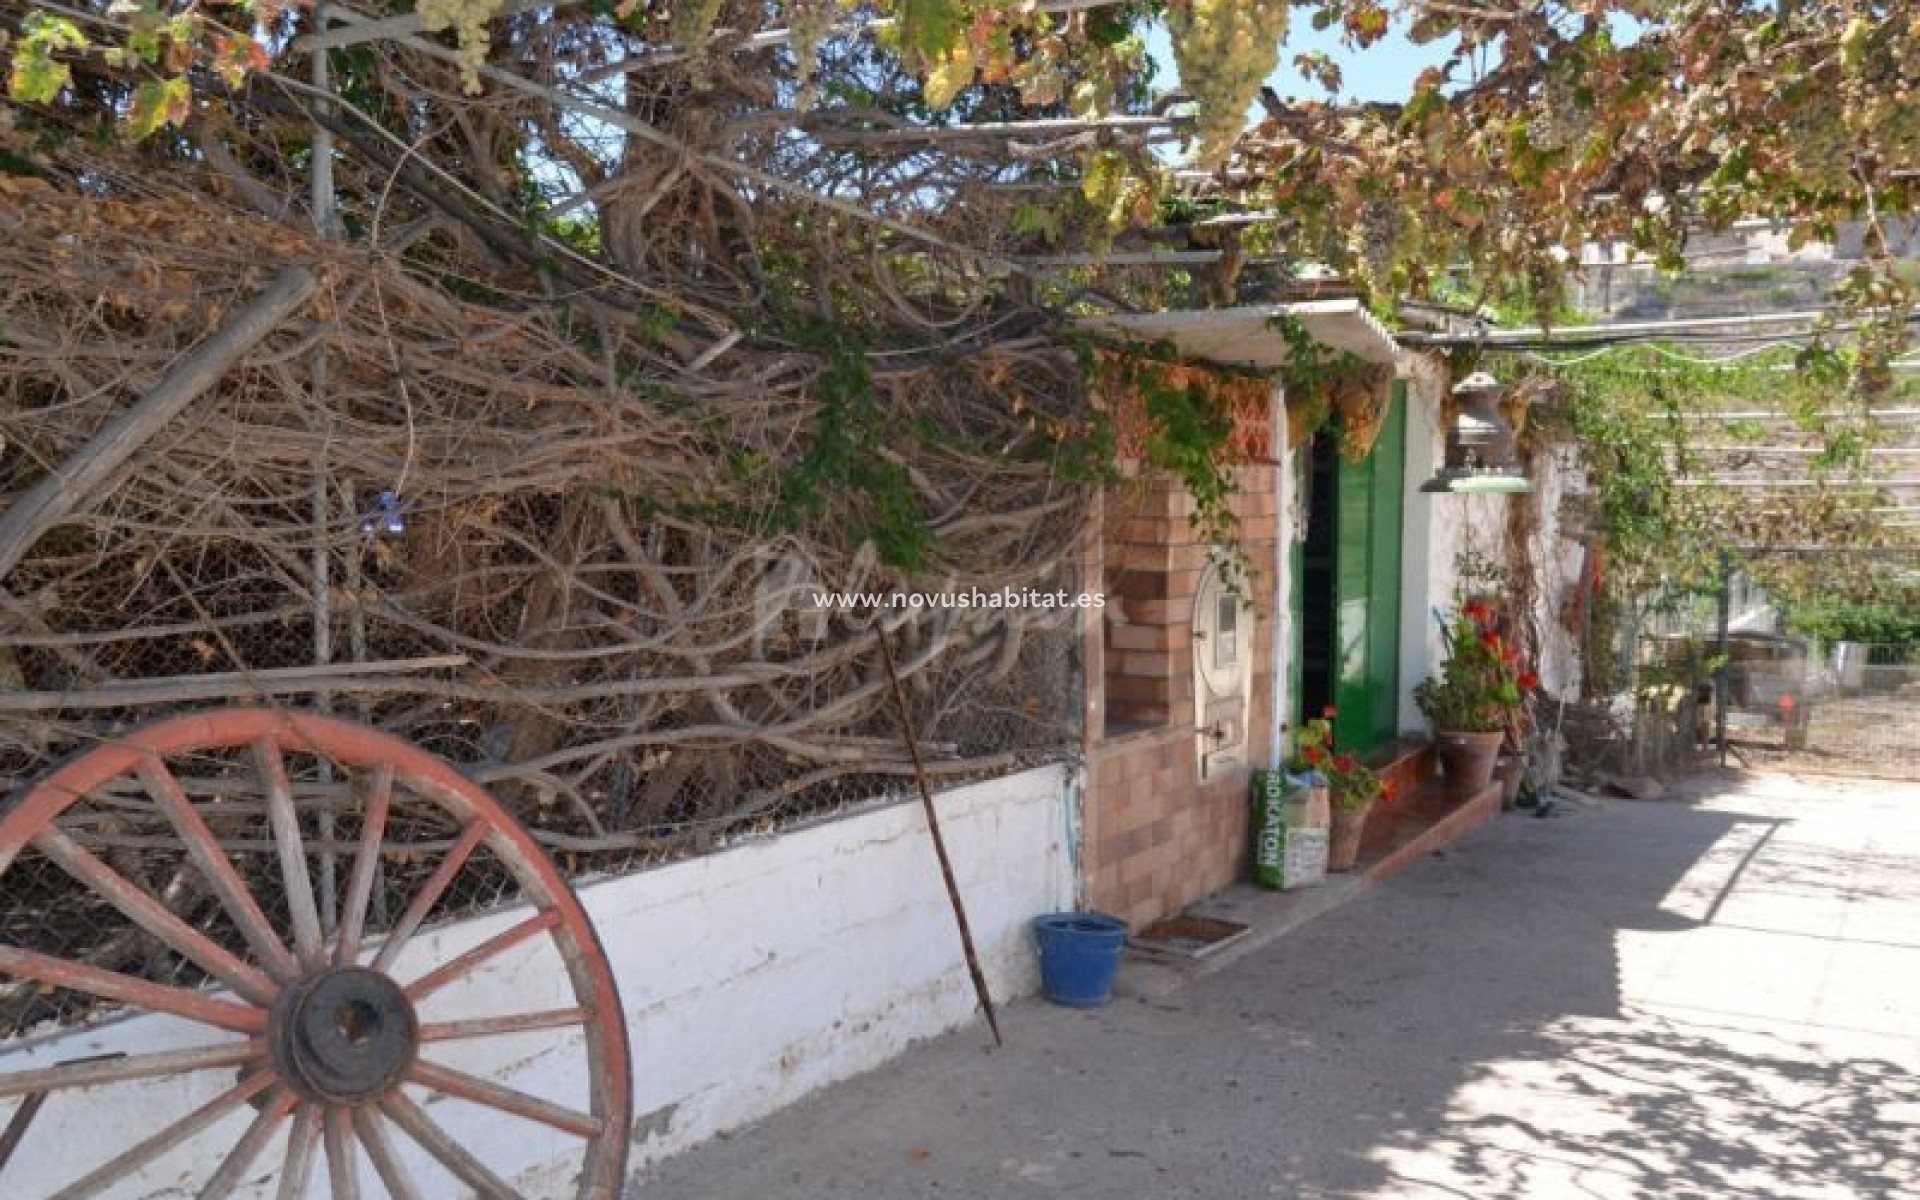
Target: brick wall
(1156, 839)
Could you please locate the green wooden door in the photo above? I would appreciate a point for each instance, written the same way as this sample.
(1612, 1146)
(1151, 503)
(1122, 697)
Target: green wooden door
(1367, 588)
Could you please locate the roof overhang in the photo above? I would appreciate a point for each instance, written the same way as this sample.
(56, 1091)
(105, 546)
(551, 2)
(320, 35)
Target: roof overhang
(1247, 338)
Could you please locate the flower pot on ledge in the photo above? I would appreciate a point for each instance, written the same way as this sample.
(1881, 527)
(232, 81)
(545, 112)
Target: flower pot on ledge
(1343, 839)
(1467, 760)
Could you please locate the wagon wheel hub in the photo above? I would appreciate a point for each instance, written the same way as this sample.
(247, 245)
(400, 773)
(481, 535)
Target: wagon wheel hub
(345, 1035)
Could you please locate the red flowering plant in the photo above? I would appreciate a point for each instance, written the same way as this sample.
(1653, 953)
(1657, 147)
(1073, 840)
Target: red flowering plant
(1351, 784)
(1483, 682)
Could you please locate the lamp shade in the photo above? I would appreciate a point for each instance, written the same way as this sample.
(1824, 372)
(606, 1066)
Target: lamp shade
(1481, 457)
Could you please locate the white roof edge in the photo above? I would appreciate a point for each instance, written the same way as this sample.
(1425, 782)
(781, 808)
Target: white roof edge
(1244, 336)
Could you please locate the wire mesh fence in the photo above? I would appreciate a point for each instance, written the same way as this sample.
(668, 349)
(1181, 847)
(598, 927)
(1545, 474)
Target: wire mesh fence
(986, 696)
(1679, 680)
(1648, 705)
(1849, 708)
(976, 717)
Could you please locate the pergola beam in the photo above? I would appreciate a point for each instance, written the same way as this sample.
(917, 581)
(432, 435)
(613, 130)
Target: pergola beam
(1852, 485)
(1050, 126)
(364, 29)
(402, 25)
(766, 39)
(1768, 414)
(1878, 451)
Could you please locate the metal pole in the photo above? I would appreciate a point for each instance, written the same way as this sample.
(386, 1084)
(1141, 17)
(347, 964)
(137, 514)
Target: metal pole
(933, 826)
(1720, 691)
(326, 224)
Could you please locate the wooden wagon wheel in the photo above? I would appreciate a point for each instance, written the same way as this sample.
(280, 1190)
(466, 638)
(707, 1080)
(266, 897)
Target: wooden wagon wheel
(317, 849)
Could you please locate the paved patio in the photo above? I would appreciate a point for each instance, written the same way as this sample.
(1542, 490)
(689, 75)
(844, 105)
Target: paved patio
(1716, 997)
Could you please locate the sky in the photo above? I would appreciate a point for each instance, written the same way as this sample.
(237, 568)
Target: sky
(1384, 71)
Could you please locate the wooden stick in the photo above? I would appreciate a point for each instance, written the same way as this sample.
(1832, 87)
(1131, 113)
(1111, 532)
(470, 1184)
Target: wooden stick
(939, 843)
(51, 500)
(221, 685)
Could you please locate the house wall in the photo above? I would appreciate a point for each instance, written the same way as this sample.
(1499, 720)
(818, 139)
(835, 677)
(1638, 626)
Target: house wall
(750, 977)
(1439, 527)
(1156, 838)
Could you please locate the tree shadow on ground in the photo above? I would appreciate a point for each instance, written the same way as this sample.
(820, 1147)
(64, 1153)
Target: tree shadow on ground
(1636, 1002)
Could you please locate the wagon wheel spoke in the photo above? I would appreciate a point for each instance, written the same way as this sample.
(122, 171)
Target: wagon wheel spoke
(464, 963)
(154, 917)
(297, 1170)
(121, 1070)
(509, 1100)
(173, 1135)
(142, 993)
(251, 1143)
(436, 1141)
(372, 1128)
(217, 869)
(293, 855)
(329, 1045)
(343, 1166)
(558, 1018)
(366, 866)
(429, 895)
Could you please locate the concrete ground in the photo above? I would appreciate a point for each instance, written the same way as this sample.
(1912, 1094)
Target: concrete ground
(1709, 998)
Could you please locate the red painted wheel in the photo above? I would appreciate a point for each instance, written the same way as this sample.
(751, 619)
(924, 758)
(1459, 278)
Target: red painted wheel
(277, 885)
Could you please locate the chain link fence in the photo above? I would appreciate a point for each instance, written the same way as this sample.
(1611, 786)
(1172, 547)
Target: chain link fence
(1678, 680)
(1848, 708)
(1647, 706)
(1006, 697)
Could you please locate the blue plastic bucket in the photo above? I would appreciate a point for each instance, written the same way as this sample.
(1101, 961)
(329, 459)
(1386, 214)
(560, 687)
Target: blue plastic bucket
(1079, 956)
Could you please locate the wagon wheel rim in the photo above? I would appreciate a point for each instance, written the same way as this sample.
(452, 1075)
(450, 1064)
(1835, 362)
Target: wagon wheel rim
(328, 1012)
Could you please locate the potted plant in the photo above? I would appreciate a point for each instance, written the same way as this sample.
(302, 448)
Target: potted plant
(1353, 788)
(1474, 699)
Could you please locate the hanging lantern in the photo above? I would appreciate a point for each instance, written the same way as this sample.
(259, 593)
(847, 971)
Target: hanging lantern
(1481, 455)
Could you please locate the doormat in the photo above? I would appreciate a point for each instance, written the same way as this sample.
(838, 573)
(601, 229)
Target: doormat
(1188, 936)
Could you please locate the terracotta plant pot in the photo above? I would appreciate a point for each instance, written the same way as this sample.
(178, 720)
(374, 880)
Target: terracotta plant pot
(1343, 840)
(1510, 770)
(1467, 760)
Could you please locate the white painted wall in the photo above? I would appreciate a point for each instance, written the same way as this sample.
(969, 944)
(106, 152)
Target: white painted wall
(1557, 562)
(1438, 527)
(750, 977)
(1421, 517)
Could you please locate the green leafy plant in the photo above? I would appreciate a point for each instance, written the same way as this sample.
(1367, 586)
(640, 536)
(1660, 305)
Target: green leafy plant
(1188, 431)
(1481, 684)
(847, 467)
(1351, 784)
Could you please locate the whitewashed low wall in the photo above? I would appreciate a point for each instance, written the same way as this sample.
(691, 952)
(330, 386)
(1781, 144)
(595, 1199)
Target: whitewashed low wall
(755, 976)
(750, 977)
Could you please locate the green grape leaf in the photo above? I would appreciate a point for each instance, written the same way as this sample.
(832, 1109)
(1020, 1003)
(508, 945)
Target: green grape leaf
(37, 77)
(157, 104)
(950, 75)
(928, 27)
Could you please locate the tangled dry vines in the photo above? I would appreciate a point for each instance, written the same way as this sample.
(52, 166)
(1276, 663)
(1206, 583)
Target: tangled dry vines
(602, 557)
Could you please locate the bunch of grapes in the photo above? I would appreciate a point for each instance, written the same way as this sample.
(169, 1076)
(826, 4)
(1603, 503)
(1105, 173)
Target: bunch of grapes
(1225, 49)
(468, 20)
